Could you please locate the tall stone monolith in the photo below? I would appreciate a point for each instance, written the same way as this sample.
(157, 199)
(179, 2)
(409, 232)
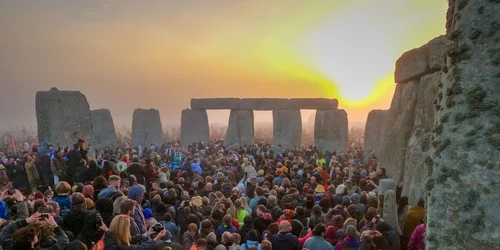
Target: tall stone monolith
(104, 129)
(373, 132)
(386, 185)
(391, 215)
(63, 117)
(397, 129)
(240, 129)
(287, 128)
(464, 183)
(331, 130)
(146, 128)
(194, 127)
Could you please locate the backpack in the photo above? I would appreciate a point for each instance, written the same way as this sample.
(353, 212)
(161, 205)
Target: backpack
(304, 228)
(99, 245)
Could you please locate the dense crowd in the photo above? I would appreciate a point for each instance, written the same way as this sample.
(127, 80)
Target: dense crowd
(203, 197)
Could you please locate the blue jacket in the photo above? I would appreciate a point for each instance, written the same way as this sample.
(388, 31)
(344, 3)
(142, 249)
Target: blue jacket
(221, 229)
(317, 243)
(249, 244)
(255, 201)
(64, 203)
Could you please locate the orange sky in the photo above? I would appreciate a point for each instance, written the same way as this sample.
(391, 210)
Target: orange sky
(159, 54)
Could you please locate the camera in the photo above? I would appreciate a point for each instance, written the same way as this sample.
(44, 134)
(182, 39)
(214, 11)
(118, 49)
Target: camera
(11, 191)
(158, 227)
(44, 216)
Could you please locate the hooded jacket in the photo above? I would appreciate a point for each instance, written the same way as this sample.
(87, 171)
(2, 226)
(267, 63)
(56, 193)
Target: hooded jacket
(356, 199)
(285, 241)
(134, 193)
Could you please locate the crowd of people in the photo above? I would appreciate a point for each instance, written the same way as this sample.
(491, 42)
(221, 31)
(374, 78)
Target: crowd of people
(203, 197)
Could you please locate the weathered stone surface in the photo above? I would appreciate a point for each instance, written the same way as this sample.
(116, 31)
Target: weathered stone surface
(287, 128)
(194, 127)
(373, 132)
(331, 130)
(265, 103)
(146, 128)
(63, 117)
(215, 103)
(240, 128)
(385, 185)
(391, 214)
(464, 178)
(104, 129)
(314, 103)
(420, 61)
(397, 129)
(420, 140)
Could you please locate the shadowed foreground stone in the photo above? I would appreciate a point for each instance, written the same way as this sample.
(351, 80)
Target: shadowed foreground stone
(464, 171)
(240, 129)
(331, 130)
(104, 129)
(287, 128)
(391, 214)
(397, 129)
(194, 127)
(419, 144)
(63, 117)
(146, 128)
(373, 132)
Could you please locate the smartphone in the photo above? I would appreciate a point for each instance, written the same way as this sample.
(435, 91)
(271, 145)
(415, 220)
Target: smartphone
(11, 191)
(44, 216)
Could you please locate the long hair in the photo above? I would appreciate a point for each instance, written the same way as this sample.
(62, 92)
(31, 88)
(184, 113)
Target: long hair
(403, 202)
(120, 227)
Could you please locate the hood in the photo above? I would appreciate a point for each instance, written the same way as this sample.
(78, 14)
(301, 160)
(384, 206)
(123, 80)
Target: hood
(283, 237)
(355, 198)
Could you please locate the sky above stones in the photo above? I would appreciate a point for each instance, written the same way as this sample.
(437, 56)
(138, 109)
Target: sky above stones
(127, 54)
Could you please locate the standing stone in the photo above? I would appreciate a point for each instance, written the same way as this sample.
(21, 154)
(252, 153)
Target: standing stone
(240, 129)
(397, 129)
(146, 128)
(391, 214)
(287, 128)
(331, 130)
(374, 132)
(420, 139)
(104, 129)
(194, 127)
(464, 181)
(385, 185)
(63, 117)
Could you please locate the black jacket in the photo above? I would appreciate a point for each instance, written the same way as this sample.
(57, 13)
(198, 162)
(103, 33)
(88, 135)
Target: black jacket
(73, 220)
(6, 236)
(90, 174)
(285, 241)
(138, 171)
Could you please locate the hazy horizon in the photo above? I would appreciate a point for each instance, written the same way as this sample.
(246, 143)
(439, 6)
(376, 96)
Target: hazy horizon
(132, 54)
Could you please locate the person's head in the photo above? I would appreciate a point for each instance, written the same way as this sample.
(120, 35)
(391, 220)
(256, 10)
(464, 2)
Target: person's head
(25, 238)
(127, 207)
(114, 181)
(104, 205)
(63, 188)
(381, 172)
(253, 235)
(92, 222)
(120, 227)
(136, 193)
(100, 183)
(168, 216)
(319, 230)
(351, 231)
(227, 238)
(201, 244)
(236, 238)
(88, 191)
(192, 229)
(285, 227)
(227, 220)
(266, 245)
(55, 207)
(421, 202)
(78, 199)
